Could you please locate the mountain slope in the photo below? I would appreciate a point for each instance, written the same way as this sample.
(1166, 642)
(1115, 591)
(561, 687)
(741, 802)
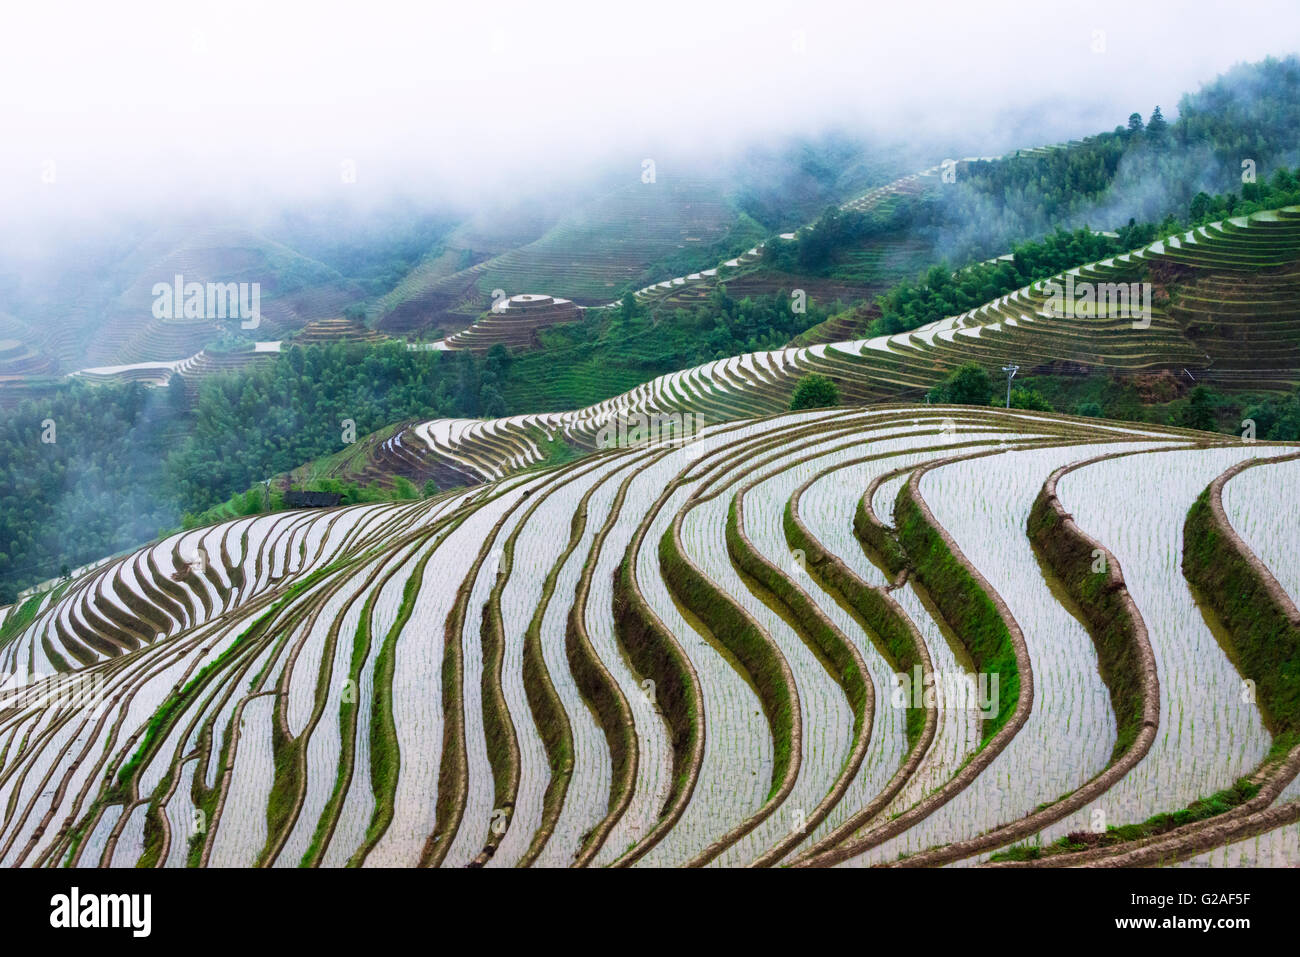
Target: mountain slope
(682, 653)
(1247, 333)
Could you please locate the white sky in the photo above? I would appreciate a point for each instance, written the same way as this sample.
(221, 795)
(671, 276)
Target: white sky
(472, 98)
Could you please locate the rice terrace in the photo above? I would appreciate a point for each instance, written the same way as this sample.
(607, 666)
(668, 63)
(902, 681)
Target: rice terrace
(823, 501)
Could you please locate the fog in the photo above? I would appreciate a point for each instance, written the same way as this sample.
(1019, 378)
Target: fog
(133, 107)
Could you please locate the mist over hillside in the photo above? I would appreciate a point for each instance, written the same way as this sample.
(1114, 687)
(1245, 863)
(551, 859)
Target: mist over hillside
(79, 295)
(547, 434)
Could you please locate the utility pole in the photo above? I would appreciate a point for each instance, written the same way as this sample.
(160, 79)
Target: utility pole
(1011, 374)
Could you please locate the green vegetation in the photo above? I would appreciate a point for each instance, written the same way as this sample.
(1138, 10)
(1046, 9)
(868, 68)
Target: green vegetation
(964, 604)
(385, 752)
(261, 498)
(815, 392)
(377, 254)
(610, 351)
(655, 653)
(310, 402)
(817, 251)
(940, 292)
(744, 233)
(1198, 413)
(91, 491)
(692, 615)
(731, 626)
(549, 716)
(166, 713)
(23, 616)
(1252, 110)
(1110, 621)
(1276, 417)
(1158, 397)
(813, 626)
(877, 611)
(1266, 640)
(1030, 399)
(877, 539)
(348, 733)
(498, 726)
(967, 385)
(128, 461)
(597, 686)
(1218, 803)
(1163, 398)
(788, 188)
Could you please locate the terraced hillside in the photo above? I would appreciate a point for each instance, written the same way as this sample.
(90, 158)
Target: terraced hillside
(323, 331)
(869, 269)
(745, 275)
(829, 637)
(1222, 308)
(588, 257)
(111, 322)
(206, 362)
(514, 322)
(23, 356)
(17, 359)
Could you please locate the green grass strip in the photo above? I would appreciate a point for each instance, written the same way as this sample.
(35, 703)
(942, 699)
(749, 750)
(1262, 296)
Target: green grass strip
(385, 754)
(964, 604)
(1266, 640)
(737, 631)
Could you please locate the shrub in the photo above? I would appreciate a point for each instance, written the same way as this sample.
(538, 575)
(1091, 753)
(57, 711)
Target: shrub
(403, 489)
(815, 392)
(1199, 412)
(1032, 400)
(968, 385)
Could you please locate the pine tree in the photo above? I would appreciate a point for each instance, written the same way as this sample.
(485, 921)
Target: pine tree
(1156, 126)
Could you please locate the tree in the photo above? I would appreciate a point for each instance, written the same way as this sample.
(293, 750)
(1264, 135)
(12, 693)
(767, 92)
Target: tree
(491, 402)
(815, 392)
(1030, 399)
(1134, 123)
(968, 385)
(1201, 205)
(1156, 126)
(1283, 180)
(1277, 417)
(498, 359)
(177, 400)
(1091, 410)
(467, 382)
(1199, 411)
(430, 488)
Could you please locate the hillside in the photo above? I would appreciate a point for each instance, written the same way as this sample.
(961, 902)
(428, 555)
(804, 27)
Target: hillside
(692, 654)
(870, 268)
(1222, 312)
(588, 257)
(567, 437)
